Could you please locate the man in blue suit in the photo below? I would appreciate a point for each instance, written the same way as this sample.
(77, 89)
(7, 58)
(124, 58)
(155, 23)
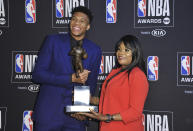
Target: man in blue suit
(55, 73)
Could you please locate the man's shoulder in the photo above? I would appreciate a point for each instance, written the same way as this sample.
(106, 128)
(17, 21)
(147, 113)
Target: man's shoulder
(57, 38)
(92, 45)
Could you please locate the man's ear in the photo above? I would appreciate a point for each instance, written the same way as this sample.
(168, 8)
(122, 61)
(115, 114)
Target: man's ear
(88, 27)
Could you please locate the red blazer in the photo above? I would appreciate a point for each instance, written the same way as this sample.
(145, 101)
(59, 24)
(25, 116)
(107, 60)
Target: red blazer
(124, 96)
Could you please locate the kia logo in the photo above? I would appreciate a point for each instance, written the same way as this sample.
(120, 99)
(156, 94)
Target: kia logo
(34, 88)
(158, 32)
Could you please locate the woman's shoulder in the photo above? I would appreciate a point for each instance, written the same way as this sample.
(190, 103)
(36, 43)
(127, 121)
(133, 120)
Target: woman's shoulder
(137, 71)
(138, 77)
(113, 71)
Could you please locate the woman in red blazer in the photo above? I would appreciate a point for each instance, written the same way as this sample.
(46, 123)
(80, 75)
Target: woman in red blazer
(124, 91)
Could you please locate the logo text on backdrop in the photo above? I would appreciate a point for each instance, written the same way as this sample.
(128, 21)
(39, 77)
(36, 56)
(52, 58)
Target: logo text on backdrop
(152, 68)
(4, 13)
(30, 11)
(154, 13)
(61, 11)
(107, 63)
(185, 69)
(23, 63)
(158, 120)
(3, 111)
(111, 11)
(27, 121)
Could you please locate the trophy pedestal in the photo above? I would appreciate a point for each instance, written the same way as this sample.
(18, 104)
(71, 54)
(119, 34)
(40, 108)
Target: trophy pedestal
(81, 108)
(81, 100)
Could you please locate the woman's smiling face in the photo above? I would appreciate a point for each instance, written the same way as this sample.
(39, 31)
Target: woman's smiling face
(124, 55)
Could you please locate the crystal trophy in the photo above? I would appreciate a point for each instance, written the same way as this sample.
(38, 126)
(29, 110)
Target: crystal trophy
(81, 100)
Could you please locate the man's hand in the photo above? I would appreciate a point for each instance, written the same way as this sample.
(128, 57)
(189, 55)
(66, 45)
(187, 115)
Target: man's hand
(82, 77)
(94, 100)
(94, 115)
(78, 116)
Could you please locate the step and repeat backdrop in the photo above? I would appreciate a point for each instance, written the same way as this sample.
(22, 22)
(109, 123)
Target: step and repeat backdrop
(164, 28)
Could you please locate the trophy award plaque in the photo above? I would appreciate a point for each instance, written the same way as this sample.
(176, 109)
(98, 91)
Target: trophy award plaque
(81, 93)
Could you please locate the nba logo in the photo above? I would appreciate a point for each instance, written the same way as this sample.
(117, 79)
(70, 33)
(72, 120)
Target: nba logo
(59, 8)
(111, 11)
(19, 63)
(27, 121)
(185, 65)
(30, 11)
(152, 71)
(101, 70)
(141, 8)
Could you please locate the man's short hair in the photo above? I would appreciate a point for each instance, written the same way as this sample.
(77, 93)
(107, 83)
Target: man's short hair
(84, 10)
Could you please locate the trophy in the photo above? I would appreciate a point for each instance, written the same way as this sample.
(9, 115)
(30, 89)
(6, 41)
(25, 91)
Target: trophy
(81, 93)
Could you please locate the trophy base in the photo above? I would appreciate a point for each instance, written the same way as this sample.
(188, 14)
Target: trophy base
(80, 108)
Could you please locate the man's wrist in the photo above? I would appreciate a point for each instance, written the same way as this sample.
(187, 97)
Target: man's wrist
(94, 100)
(73, 78)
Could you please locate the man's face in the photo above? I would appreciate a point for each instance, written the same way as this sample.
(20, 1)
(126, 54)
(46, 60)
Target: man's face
(79, 24)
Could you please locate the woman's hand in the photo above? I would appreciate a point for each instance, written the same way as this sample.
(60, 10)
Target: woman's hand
(95, 115)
